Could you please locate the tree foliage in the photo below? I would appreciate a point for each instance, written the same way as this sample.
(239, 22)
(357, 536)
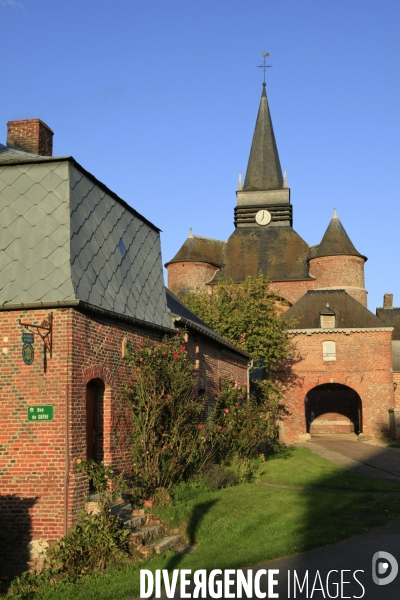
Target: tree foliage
(248, 314)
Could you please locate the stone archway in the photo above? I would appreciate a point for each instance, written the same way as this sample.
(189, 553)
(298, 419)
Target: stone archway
(333, 408)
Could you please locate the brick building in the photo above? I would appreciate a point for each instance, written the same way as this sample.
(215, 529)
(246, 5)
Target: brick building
(347, 369)
(81, 274)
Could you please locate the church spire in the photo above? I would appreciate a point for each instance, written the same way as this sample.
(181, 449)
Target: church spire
(264, 169)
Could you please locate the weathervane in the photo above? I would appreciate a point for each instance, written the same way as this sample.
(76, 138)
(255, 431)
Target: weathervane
(264, 66)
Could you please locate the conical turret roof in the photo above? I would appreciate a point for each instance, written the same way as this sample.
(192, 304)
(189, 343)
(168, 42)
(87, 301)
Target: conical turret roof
(336, 241)
(197, 248)
(264, 169)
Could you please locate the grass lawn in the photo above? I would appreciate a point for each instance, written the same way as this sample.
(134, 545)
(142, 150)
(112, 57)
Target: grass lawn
(299, 466)
(247, 524)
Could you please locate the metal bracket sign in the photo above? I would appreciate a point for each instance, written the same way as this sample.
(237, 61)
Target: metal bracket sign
(28, 353)
(45, 331)
(45, 412)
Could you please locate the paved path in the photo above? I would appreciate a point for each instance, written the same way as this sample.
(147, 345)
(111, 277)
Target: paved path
(380, 461)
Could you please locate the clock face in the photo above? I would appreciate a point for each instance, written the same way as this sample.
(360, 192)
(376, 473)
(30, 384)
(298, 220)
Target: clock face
(263, 217)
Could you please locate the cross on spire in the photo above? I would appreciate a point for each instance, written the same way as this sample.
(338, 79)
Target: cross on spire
(264, 66)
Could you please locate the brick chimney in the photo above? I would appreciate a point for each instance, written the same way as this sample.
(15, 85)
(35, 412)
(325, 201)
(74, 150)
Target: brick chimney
(388, 301)
(30, 135)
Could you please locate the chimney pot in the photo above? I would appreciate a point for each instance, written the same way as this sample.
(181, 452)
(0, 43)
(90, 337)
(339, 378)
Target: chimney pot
(30, 135)
(388, 301)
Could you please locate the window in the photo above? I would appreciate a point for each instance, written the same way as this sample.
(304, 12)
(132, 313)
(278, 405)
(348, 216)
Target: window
(121, 247)
(327, 317)
(329, 350)
(328, 321)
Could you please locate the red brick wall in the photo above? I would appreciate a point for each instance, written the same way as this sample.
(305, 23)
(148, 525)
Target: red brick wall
(292, 291)
(33, 456)
(332, 423)
(396, 381)
(214, 362)
(97, 355)
(344, 272)
(186, 276)
(31, 135)
(356, 366)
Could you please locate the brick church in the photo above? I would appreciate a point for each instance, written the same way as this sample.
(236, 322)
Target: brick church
(347, 368)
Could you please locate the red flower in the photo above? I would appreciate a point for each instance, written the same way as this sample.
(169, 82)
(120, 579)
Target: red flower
(183, 349)
(201, 427)
(226, 410)
(176, 355)
(219, 427)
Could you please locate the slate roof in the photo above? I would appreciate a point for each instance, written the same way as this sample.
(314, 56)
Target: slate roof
(199, 249)
(264, 169)
(9, 155)
(192, 321)
(396, 355)
(349, 314)
(278, 252)
(335, 242)
(65, 238)
(390, 316)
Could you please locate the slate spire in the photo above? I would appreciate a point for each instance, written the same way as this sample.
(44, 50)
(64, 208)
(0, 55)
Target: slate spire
(336, 241)
(264, 169)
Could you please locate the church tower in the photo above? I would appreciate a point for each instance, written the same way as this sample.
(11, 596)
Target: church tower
(264, 239)
(264, 187)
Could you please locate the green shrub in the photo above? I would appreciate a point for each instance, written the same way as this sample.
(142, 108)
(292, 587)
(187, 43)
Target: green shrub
(217, 477)
(242, 422)
(244, 470)
(169, 442)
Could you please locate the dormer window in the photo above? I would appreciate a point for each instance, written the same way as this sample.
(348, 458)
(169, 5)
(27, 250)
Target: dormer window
(328, 321)
(327, 318)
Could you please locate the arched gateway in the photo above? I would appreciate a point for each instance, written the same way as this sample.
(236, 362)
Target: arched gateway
(333, 408)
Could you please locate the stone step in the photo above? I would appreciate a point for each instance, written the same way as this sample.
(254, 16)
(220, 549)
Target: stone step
(166, 543)
(135, 522)
(122, 510)
(147, 534)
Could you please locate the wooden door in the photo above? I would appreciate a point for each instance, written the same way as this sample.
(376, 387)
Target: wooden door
(91, 421)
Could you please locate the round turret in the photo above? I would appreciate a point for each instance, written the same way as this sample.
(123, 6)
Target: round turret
(336, 264)
(195, 264)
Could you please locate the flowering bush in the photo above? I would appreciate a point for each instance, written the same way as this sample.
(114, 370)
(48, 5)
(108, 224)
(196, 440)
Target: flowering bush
(169, 443)
(242, 422)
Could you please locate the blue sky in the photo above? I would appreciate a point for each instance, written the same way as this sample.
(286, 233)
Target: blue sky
(158, 99)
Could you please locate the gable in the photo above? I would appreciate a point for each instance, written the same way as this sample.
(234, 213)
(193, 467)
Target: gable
(349, 313)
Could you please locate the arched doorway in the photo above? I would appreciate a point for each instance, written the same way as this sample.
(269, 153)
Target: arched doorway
(94, 420)
(333, 408)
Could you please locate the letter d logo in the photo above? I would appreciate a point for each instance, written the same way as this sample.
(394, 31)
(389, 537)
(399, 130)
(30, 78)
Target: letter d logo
(381, 568)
